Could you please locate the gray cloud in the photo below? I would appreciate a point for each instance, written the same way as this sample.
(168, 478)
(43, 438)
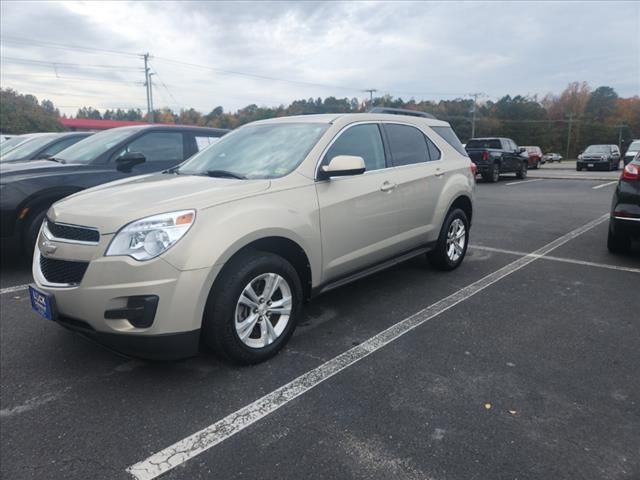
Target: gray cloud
(420, 49)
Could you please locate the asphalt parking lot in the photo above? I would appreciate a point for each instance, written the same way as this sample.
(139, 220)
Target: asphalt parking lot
(514, 366)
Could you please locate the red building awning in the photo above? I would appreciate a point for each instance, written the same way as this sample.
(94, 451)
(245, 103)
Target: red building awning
(90, 124)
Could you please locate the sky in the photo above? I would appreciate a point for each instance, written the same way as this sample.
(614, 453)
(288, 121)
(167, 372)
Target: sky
(233, 54)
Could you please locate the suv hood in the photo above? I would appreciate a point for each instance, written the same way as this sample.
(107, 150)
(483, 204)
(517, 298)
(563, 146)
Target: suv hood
(111, 206)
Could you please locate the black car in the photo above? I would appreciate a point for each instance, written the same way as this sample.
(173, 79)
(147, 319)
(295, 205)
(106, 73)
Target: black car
(624, 222)
(27, 189)
(43, 145)
(605, 157)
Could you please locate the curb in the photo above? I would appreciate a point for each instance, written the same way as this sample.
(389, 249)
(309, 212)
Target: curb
(568, 177)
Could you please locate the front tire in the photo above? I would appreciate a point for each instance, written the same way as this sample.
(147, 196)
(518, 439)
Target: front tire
(253, 308)
(32, 229)
(452, 242)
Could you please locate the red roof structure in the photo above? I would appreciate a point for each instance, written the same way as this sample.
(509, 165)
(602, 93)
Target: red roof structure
(84, 124)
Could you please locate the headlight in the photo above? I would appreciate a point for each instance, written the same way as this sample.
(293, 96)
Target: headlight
(148, 237)
(580, 157)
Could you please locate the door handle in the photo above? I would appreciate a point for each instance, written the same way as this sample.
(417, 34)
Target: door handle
(439, 173)
(387, 187)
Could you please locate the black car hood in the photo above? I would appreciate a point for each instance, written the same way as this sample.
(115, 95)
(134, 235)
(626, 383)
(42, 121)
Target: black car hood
(14, 171)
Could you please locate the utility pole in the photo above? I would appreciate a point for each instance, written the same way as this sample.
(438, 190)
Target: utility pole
(371, 92)
(147, 85)
(473, 117)
(151, 119)
(620, 127)
(571, 115)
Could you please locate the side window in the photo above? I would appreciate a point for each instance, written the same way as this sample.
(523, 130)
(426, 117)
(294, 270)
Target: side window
(203, 142)
(408, 145)
(159, 146)
(59, 146)
(363, 141)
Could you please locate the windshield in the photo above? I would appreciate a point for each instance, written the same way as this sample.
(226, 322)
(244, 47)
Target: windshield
(87, 150)
(597, 149)
(12, 143)
(634, 147)
(484, 143)
(258, 151)
(27, 148)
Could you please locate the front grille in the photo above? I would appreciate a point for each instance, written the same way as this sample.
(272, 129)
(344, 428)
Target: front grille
(62, 271)
(68, 232)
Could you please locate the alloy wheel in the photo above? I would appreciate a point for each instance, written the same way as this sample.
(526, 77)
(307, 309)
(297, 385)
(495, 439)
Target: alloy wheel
(263, 310)
(456, 239)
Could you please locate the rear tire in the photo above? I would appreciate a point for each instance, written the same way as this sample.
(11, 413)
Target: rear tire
(522, 174)
(617, 243)
(494, 173)
(230, 306)
(452, 242)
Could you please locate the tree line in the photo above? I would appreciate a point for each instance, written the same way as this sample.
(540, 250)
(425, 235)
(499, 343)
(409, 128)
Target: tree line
(564, 123)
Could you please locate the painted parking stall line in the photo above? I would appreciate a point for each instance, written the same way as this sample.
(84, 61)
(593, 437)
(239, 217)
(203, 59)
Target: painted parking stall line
(556, 259)
(602, 185)
(522, 182)
(201, 441)
(15, 288)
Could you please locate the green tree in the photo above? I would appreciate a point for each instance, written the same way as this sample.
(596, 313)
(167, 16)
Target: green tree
(23, 114)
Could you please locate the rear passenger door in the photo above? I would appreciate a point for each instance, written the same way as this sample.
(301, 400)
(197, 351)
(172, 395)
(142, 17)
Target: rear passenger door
(419, 172)
(162, 150)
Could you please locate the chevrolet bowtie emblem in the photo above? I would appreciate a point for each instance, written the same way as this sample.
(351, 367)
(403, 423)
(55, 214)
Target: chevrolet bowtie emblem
(48, 247)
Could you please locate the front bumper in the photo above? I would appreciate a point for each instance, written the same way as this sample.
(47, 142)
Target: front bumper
(595, 164)
(108, 285)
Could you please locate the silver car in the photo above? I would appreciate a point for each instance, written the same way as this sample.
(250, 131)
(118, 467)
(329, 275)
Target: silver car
(224, 249)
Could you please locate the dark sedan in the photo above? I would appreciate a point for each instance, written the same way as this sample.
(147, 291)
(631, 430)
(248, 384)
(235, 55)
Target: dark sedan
(28, 189)
(42, 146)
(624, 222)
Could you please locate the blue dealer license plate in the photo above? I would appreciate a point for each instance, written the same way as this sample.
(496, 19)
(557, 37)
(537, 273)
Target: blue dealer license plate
(42, 303)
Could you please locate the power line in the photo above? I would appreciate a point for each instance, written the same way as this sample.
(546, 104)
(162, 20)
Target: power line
(62, 46)
(66, 78)
(32, 61)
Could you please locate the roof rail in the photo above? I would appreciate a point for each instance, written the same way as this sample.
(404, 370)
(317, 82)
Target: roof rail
(401, 111)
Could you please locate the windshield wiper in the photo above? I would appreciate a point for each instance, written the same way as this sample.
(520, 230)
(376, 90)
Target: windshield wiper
(173, 170)
(55, 159)
(223, 174)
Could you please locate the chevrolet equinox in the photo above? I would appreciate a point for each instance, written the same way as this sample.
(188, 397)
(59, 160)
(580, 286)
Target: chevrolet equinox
(223, 249)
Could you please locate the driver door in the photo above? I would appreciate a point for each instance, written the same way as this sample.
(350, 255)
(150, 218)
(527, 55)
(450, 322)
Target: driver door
(358, 213)
(162, 150)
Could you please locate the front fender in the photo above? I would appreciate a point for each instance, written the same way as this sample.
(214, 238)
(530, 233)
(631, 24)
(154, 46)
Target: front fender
(221, 231)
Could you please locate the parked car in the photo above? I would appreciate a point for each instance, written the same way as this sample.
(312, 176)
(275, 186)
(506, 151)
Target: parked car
(42, 146)
(27, 189)
(551, 157)
(605, 157)
(624, 222)
(535, 156)
(15, 141)
(631, 152)
(494, 156)
(225, 247)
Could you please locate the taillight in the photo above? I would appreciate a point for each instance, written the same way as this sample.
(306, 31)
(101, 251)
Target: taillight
(485, 156)
(631, 172)
(474, 169)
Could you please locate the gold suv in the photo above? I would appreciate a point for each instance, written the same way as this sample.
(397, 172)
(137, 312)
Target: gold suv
(223, 249)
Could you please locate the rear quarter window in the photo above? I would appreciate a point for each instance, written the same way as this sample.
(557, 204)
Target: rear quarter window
(449, 136)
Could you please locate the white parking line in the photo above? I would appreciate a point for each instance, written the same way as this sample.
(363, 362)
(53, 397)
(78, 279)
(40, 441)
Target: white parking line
(604, 185)
(187, 448)
(15, 288)
(556, 259)
(521, 182)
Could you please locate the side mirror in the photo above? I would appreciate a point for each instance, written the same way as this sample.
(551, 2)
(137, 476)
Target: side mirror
(129, 160)
(342, 166)
(522, 150)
